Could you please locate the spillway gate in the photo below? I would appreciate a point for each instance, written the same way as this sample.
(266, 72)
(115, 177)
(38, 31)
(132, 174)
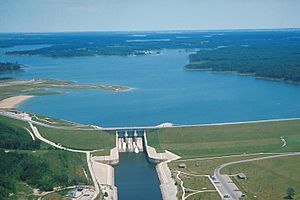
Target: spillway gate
(130, 140)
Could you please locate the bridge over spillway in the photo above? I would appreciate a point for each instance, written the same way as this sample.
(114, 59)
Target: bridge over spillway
(130, 140)
(137, 128)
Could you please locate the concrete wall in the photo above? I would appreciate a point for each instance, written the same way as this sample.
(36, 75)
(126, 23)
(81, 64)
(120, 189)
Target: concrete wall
(152, 155)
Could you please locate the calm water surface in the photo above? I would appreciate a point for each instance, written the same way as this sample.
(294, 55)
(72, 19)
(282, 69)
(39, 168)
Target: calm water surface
(163, 91)
(136, 178)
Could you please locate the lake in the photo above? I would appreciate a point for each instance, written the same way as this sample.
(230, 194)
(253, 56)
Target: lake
(162, 91)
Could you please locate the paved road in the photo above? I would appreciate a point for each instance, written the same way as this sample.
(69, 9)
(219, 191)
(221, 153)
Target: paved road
(225, 187)
(197, 125)
(19, 117)
(168, 125)
(88, 157)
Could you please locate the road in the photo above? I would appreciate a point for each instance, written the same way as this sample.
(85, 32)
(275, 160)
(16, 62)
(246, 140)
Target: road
(28, 119)
(226, 188)
(88, 157)
(196, 125)
(168, 125)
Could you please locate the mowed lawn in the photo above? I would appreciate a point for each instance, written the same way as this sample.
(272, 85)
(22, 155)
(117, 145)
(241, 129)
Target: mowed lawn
(206, 196)
(268, 179)
(79, 139)
(193, 142)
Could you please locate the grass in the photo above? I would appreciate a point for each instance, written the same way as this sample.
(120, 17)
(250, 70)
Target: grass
(105, 152)
(268, 179)
(79, 139)
(54, 196)
(205, 196)
(55, 122)
(20, 124)
(207, 166)
(14, 122)
(196, 182)
(191, 142)
(203, 167)
(23, 192)
(42, 93)
(66, 162)
(39, 87)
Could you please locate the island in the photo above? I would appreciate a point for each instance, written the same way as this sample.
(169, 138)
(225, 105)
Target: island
(269, 61)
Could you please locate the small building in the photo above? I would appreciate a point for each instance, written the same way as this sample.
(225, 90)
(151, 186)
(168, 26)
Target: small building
(241, 176)
(182, 165)
(188, 190)
(71, 194)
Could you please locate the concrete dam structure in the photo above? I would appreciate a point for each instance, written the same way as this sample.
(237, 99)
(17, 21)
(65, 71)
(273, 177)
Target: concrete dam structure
(130, 141)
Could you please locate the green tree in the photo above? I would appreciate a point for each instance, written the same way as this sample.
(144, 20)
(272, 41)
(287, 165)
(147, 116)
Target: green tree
(290, 193)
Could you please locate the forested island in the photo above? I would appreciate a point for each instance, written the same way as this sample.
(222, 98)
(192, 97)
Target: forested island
(9, 67)
(268, 59)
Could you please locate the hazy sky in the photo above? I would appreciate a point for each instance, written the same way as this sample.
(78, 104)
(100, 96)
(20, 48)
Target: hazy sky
(106, 15)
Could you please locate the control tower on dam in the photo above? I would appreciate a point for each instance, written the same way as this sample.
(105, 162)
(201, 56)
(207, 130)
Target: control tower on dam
(130, 140)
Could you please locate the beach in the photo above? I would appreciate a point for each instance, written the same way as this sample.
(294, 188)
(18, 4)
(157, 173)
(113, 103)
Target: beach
(12, 102)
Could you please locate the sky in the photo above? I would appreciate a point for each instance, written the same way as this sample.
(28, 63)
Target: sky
(135, 15)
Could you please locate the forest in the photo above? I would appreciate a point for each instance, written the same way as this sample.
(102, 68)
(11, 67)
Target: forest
(8, 67)
(39, 166)
(266, 59)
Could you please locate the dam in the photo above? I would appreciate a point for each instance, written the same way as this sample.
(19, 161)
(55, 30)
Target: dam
(130, 141)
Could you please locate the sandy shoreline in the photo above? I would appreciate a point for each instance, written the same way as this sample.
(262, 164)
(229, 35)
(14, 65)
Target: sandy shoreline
(12, 102)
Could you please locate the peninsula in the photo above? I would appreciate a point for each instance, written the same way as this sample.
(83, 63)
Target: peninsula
(270, 60)
(24, 89)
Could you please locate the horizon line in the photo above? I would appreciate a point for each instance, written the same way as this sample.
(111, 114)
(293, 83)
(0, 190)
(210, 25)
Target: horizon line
(158, 31)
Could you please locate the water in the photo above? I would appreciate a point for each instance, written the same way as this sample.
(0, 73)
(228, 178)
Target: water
(163, 92)
(136, 178)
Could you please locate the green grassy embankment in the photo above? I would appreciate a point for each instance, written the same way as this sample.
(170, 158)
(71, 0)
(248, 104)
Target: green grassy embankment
(79, 139)
(194, 142)
(206, 196)
(268, 179)
(208, 165)
(27, 164)
(205, 166)
(56, 122)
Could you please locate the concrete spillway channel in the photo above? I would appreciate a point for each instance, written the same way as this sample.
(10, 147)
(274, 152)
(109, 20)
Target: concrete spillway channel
(134, 141)
(130, 143)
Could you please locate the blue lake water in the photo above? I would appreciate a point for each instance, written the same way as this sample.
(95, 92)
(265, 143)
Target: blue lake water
(163, 91)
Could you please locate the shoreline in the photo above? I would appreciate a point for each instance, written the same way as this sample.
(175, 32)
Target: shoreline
(265, 78)
(201, 125)
(13, 102)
